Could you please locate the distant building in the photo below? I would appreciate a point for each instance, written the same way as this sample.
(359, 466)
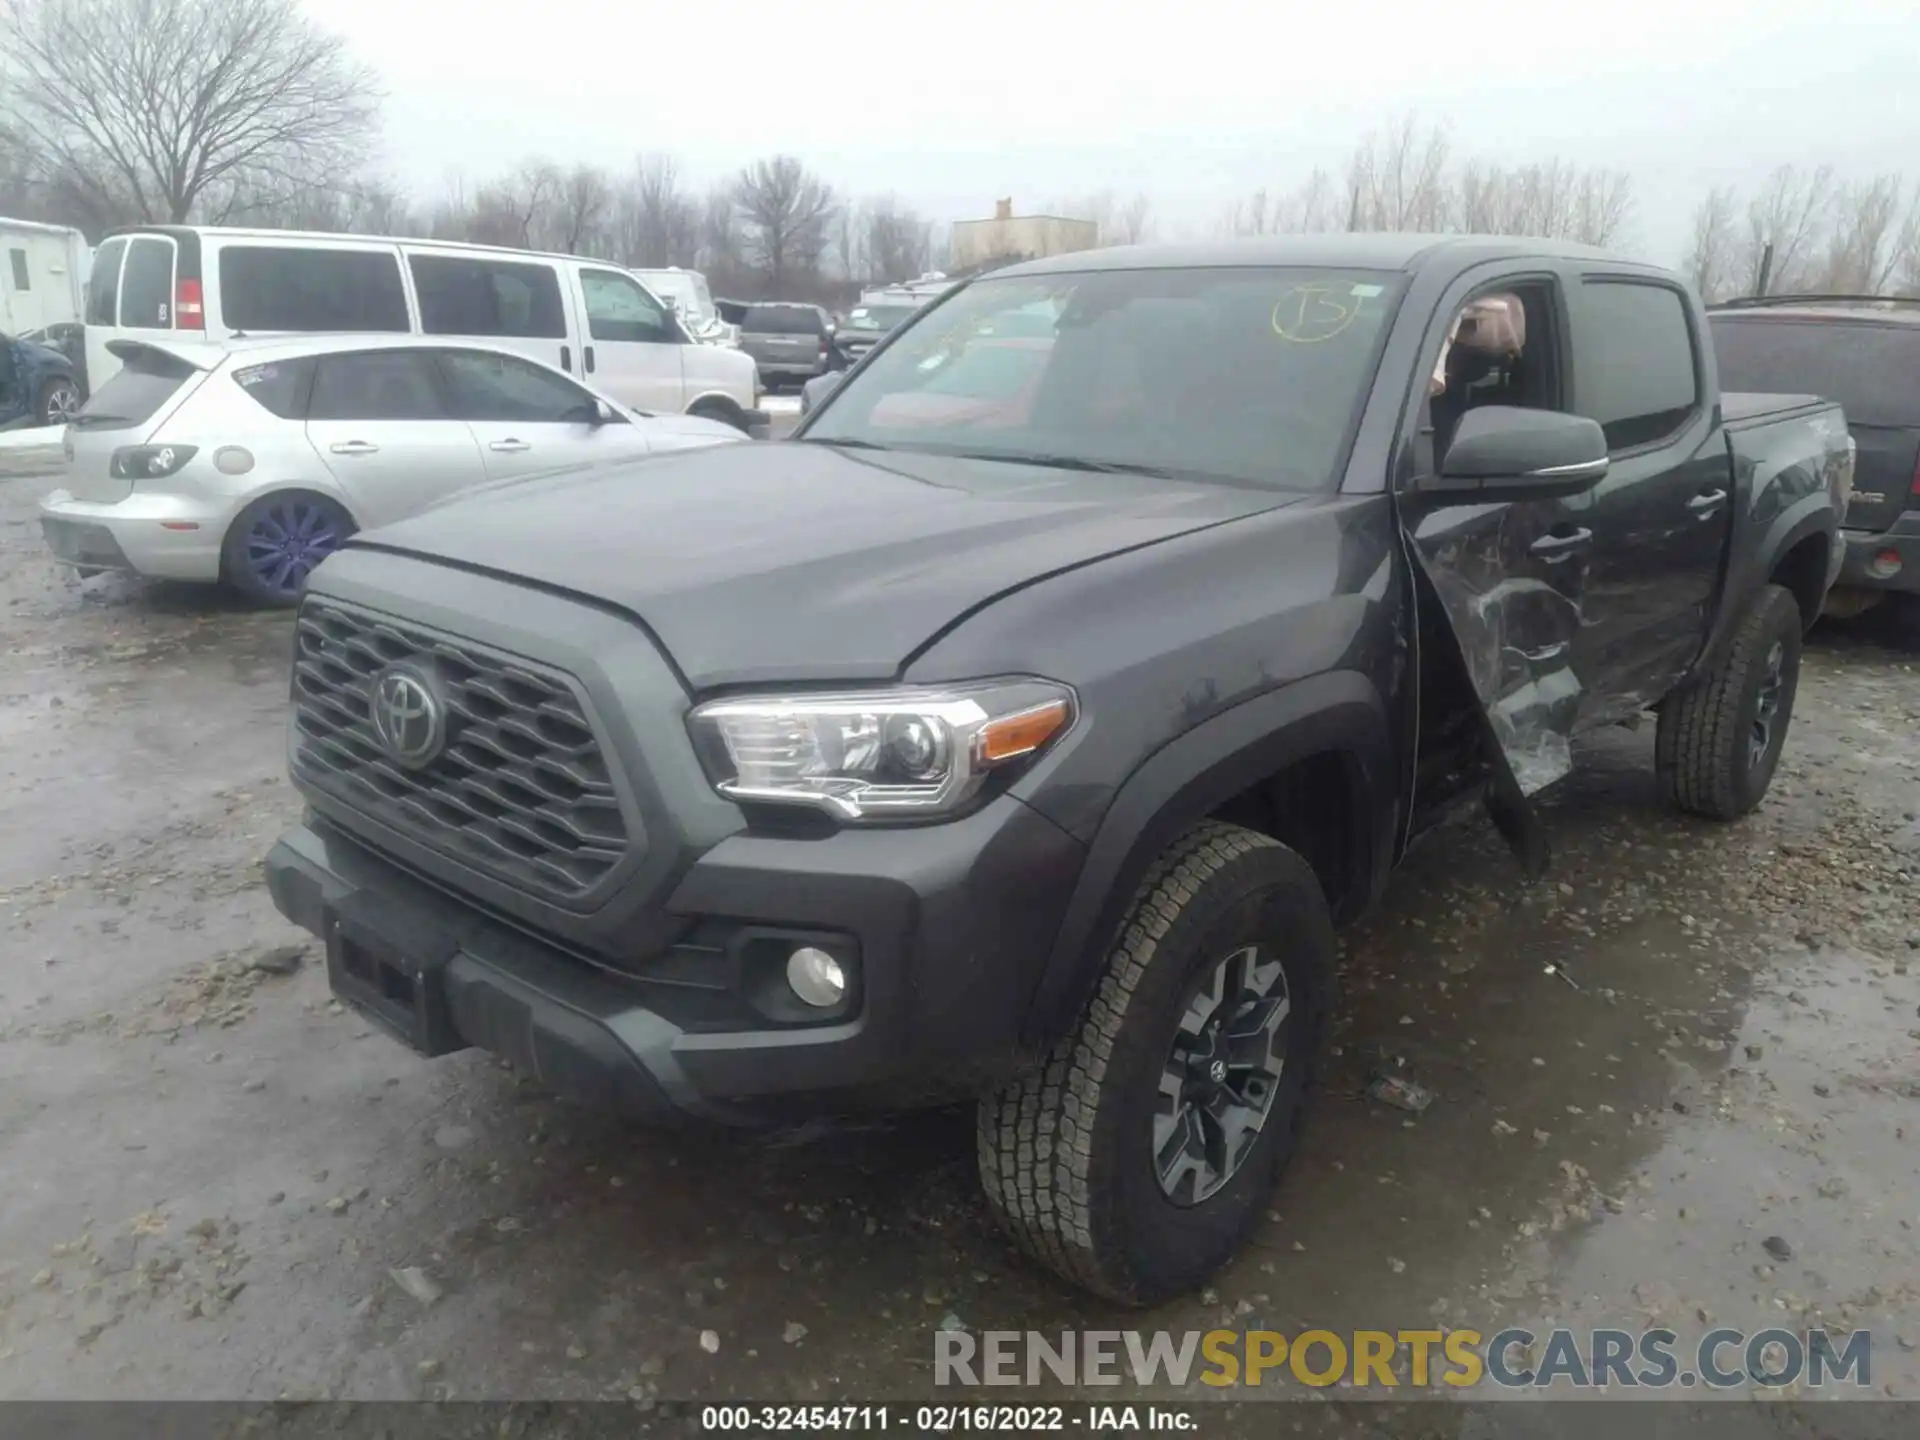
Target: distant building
(1008, 237)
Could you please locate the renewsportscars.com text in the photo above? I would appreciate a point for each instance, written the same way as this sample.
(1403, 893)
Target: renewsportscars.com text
(1388, 1359)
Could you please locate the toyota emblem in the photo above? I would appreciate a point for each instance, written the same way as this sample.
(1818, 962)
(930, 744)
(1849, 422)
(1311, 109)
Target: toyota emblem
(407, 716)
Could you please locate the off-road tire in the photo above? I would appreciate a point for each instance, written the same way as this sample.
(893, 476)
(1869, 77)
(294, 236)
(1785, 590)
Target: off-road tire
(1066, 1149)
(1701, 747)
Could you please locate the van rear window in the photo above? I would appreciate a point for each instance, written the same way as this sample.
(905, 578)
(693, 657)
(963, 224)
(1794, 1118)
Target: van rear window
(311, 290)
(145, 381)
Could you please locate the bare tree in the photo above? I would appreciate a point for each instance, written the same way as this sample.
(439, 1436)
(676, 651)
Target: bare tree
(1115, 221)
(722, 251)
(1711, 258)
(1312, 208)
(898, 244)
(1133, 222)
(1906, 279)
(1396, 178)
(147, 106)
(1602, 206)
(1788, 216)
(1863, 245)
(655, 221)
(849, 241)
(582, 207)
(786, 209)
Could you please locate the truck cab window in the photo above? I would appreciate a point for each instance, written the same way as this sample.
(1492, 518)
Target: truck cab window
(1636, 368)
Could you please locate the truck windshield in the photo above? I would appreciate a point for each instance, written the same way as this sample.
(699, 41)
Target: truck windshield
(1250, 375)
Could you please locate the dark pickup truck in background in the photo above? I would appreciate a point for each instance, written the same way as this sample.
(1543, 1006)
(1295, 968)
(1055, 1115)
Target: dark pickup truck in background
(1024, 729)
(1862, 352)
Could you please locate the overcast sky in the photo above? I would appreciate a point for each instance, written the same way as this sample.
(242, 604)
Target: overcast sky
(1194, 103)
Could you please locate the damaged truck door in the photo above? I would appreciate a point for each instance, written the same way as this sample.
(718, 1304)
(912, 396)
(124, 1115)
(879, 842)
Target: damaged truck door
(1494, 517)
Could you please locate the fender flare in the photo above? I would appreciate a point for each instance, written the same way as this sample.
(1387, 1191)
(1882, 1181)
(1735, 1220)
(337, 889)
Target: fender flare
(1815, 515)
(1188, 779)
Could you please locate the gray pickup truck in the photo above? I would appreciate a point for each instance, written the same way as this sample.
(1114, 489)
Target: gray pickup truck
(1024, 728)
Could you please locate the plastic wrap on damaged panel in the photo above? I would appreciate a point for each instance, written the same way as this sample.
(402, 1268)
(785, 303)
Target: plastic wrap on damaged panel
(1514, 619)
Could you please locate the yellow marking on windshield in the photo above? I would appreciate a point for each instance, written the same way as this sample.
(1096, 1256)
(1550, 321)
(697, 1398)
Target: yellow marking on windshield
(1308, 314)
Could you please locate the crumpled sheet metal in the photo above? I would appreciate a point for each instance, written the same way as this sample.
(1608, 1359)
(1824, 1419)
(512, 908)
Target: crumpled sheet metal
(1514, 635)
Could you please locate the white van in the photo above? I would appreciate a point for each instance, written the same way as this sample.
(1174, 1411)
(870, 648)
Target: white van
(586, 317)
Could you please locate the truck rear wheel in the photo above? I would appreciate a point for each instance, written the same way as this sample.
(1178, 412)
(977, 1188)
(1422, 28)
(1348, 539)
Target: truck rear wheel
(1720, 739)
(1136, 1161)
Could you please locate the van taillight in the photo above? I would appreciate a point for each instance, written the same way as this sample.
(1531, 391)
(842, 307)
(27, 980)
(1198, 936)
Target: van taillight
(187, 314)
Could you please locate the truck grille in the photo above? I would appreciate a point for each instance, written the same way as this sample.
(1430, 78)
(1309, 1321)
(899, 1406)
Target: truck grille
(520, 788)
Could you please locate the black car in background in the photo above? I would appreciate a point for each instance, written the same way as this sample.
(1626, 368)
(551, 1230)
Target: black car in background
(1864, 352)
(866, 326)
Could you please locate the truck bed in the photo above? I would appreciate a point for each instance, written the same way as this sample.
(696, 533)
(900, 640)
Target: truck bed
(1743, 410)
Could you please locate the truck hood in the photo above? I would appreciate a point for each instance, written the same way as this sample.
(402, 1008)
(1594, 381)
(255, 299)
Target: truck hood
(770, 562)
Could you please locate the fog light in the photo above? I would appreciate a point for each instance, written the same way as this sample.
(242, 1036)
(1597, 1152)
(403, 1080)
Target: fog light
(816, 977)
(1885, 565)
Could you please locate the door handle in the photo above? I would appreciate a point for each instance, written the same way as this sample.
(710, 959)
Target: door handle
(1555, 547)
(1545, 653)
(586, 355)
(566, 358)
(1708, 501)
(354, 447)
(510, 446)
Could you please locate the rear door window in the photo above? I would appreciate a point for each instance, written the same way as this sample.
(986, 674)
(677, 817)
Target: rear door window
(146, 380)
(103, 284)
(22, 281)
(146, 284)
(310, 291)
(279, 386)
(376, 385)
(1634, 362)
(1871, 368)
(465, 296)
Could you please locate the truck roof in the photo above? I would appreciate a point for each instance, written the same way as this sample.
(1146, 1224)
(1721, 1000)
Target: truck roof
(1871, 309)
(1361, 251)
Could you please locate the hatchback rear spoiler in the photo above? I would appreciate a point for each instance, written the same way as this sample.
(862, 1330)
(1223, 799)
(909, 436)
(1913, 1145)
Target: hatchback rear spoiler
(198, 354)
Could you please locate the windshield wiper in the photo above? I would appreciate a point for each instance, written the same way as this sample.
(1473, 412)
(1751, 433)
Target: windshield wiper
(95, 418)
(1070, 462)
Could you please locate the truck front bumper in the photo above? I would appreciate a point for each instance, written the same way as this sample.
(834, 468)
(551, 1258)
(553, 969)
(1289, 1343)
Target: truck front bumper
(942, 930)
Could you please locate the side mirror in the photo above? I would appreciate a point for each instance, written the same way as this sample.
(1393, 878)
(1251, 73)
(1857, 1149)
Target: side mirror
(1502, 452)
(8, 361)
(603, 414)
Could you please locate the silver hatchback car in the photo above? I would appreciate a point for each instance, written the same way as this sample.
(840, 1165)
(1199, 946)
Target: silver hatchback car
(252, 463)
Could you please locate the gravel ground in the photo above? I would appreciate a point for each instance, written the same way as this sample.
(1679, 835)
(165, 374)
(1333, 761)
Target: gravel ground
(220, 1185)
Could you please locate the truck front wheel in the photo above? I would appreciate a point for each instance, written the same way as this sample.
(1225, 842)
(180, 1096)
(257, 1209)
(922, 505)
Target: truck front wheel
(1720, 738)
(1138, 1158)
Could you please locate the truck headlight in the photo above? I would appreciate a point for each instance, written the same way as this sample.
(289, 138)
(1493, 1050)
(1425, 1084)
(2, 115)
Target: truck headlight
(904, 752)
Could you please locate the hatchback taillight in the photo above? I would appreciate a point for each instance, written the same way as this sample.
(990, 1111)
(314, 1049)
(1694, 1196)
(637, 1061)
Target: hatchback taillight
(187, 311)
